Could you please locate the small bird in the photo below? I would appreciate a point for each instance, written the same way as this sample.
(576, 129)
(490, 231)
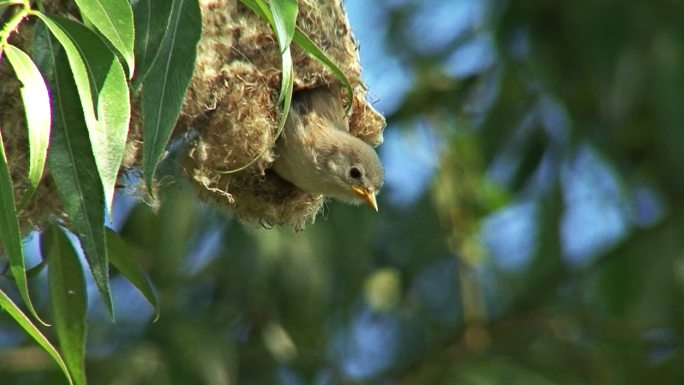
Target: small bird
(316, 152)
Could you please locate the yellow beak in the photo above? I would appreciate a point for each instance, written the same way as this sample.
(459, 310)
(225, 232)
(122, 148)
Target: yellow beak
(368, 196)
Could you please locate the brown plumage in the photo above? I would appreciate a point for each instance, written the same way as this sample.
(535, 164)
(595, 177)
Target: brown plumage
(317, 153)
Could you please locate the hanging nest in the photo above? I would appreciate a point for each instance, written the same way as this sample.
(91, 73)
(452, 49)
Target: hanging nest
(229, 116)
(232, 99)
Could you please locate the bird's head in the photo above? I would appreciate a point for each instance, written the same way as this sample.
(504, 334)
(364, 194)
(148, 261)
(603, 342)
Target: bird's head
(357, 175)
(318, 154)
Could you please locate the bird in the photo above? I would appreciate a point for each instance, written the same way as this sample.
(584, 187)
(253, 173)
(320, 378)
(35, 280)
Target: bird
(317, 153)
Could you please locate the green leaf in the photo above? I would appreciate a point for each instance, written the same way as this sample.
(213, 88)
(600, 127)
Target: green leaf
(284, 21)
(32, 272)
(69, 300)
(302, 40)
(37, 107)
(284, 18)
(36, 100)
(123, 260)
(73, 170)
(5, 3)
(151, 24)
(287, 84)
(114, 19)
(259, 8)
(287, 87)
(40, 50)
(282, 15)
(103, 92)
(167, 82)
(81, 70)
(10, 235)
(26, 324)
(278, 16)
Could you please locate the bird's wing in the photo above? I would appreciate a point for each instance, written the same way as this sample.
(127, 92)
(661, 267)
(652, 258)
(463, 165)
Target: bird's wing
(326, 103)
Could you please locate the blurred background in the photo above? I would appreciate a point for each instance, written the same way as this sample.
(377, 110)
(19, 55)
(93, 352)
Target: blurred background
(531, 228)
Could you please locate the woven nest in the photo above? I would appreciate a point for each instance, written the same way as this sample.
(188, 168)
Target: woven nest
(230, 113)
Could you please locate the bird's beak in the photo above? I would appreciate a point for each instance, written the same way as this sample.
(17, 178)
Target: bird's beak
(366, 195)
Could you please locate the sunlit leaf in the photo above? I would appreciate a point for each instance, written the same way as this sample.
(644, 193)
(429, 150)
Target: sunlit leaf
(286, 88)
(283, 24)
(282, 16)
(26, 324)
(103, 92)
(123, 260)
(284, 21)
(303, 41)
(72, 166)
(259, 8)
(37, 107)
(77, 63)
(167, 81)
(114, 19)
(68, 297)
(10, 236)
(287, 101)
(151, 24)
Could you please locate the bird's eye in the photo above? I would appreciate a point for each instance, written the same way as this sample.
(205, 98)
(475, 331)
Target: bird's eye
(355, 173)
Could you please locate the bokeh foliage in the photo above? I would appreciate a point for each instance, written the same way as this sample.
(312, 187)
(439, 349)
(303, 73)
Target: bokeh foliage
(547, 246)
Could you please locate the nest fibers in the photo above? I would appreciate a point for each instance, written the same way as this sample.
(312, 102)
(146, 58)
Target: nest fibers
(231, 104)
(230, 111)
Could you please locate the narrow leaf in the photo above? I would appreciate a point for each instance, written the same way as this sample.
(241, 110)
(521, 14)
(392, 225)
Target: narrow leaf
(109, 141)
(78, 66)
(286, 18)
(264, 11)
(10, 236)
(103, 92)
(287, 92)
(151, 23)
(260, 8)
(167, 82)
(284, 14)
(31, 329)
(303, 41)
(40, 50)
(114, 19)
(32, 272)
(284, 21)
(37, 107)
(123, 260)
(68, 296)
(73, 170)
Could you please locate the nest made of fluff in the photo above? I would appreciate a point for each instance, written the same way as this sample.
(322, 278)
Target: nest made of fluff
(231, 104)
(230, 108)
